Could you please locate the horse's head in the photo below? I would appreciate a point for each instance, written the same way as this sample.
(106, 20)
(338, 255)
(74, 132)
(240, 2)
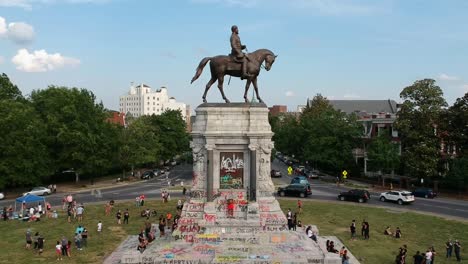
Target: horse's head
(269, 60)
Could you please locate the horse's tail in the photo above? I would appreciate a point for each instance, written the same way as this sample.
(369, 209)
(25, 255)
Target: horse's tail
(200, 68)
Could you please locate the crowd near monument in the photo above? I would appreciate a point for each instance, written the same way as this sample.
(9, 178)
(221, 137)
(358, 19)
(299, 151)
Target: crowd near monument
(231, 214)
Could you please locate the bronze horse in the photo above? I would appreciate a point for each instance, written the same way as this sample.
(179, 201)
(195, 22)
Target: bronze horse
(225, 65)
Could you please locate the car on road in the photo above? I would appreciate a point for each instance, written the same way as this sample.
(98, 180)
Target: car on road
(2, 196)
(401, 197)
(276, 174)
(39, 191)
(296, 189)
(356, 195)
(424, 192)
(147, 175)
(299, 180)
(312, 174)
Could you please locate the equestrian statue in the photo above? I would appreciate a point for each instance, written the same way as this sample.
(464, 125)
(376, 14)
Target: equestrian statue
(237, 64)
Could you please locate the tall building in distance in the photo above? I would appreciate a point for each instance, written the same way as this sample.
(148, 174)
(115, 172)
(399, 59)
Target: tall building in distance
(142, 100)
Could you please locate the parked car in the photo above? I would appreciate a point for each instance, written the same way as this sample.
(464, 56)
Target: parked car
(276, 174)
(39, 191)
(301, 190)
(424, 192)
(2, 196)
(356, 195)
(400, 197)
(312, 174)
(147, 175)
(299, 180)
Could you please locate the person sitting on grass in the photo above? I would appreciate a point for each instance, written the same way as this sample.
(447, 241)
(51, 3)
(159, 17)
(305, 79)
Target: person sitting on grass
(397, 233)
(388, 231)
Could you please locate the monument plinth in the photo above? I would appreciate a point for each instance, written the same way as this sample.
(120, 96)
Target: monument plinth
(232, 215)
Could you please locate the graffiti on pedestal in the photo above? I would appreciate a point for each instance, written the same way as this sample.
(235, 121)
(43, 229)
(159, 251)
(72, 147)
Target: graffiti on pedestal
(231, 170)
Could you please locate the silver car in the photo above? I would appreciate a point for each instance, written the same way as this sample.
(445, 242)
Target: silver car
(39, 191)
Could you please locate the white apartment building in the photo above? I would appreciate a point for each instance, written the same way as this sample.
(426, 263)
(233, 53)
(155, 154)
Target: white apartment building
(141, 100)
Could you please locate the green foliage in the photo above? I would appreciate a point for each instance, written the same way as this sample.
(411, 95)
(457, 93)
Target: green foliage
(323, 136)
(417, 122)
(457, 125)
(458, 173)
(383, 154)
(9, 91)
(76, 133)
(24, 159)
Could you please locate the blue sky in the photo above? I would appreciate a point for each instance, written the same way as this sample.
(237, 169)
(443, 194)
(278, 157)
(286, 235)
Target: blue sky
(343, 49)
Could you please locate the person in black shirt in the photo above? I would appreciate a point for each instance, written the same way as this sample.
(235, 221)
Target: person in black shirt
(126, 216)
(40, 244)
(418, 258)
(449, 248)
(457, 250)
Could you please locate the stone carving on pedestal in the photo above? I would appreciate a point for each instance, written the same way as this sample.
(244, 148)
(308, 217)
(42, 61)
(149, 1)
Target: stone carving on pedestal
(264, 182)
(199, 169)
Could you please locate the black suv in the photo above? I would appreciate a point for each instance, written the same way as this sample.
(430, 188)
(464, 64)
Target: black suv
(356, 195)
(424, 192)
(301, 190)
(147, 175)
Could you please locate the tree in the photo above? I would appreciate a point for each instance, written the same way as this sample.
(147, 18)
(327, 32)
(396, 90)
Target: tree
(286, 134)
(24, 159)
(383, 154)
(457, 125)
(172, 131)
(9, 91)
(329, 136)
(76, 129)
(417, 122)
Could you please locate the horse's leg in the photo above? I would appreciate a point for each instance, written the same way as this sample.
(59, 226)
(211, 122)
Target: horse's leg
(220, 86)
(254, 81)
(247, 85)
(208, 85)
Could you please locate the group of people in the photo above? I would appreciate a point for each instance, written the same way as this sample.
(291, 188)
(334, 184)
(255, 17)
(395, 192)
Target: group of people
(38, 241)
(428, 257)
(166, 196)
(140, 200)
(365, 229)
(293, 222)
(388, 232)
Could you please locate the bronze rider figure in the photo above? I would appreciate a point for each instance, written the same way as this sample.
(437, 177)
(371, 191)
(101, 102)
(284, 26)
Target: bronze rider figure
(236, 51)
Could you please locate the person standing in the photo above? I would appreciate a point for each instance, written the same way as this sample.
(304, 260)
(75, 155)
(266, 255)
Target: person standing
(299, 206)
(418, 258)
(137, 201)
(184, 191)
(58, 250)
(126, 216)
(428, 256)
(99, 227)
(40, 244)
(289, 217)
(36, 236)
(84, 238)
(352, 228)
(457, 247)
(28, 239)
(142, 200)
(449, 248)
(64, 243)
(79, 213)
(366, 230)
(119, 217)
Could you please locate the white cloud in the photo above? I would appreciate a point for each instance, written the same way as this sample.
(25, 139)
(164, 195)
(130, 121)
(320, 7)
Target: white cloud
(1, 59)
(446, 77)
(41, 61)
(3, 27)
(18, 32)
(289, 94)
(28, 4)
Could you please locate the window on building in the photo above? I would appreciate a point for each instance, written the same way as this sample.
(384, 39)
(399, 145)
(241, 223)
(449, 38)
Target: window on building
(148, 103)
(148, 97)
(157, 99)
(147, 108)
(154, 108)
(153, 103)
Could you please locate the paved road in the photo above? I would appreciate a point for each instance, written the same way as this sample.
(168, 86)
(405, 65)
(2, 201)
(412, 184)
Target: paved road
(321, 191)
(150, 188)
(327, 191)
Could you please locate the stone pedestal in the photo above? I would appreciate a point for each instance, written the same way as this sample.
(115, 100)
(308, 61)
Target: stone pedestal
(232, 215)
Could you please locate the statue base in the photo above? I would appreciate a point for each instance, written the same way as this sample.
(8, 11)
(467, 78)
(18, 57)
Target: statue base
(232, 215)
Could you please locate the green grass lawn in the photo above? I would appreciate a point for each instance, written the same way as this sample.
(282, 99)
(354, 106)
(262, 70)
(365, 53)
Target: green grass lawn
(419, 231)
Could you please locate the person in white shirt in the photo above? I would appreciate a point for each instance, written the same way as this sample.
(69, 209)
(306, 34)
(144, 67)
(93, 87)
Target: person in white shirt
(428, 256)
(39, 208)
(99, 227)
